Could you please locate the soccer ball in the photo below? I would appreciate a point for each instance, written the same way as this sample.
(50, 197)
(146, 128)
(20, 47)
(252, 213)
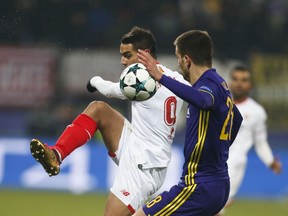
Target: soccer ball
(136, 83)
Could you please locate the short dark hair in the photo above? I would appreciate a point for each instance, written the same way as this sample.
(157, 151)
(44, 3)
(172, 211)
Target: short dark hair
(141, 38)
(239, 68)
(197, 45)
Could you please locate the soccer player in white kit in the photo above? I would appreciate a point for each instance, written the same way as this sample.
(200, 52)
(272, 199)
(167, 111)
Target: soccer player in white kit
(253, 131)
(141, 149)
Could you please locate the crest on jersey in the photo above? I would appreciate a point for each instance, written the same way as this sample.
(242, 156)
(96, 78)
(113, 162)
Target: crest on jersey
(224, 84)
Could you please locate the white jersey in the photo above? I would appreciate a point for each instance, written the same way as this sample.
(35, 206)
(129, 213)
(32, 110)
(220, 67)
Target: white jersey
(153, 120)
(252, 131)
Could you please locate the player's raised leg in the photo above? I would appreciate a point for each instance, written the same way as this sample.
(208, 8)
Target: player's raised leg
(110, 123)
(97, 115)
(139, 212)
(115, 207)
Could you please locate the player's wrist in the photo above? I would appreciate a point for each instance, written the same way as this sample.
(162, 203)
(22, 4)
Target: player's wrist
(90, 87)
(162, 78)
(158, 76)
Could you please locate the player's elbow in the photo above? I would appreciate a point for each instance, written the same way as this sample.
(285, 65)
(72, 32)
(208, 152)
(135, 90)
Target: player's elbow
(205, 104)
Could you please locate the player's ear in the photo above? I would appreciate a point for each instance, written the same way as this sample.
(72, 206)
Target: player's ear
(187, 61)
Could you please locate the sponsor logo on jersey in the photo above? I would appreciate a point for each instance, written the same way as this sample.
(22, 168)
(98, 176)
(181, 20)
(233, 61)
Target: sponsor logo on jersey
(125, 192)
(205, 88)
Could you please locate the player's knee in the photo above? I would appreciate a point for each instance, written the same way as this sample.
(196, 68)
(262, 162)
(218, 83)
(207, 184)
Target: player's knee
(95, 109)
(98, 105)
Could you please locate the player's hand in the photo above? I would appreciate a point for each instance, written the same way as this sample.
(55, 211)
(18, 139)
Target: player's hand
(89, 87)
(149, 62)
(276, 166)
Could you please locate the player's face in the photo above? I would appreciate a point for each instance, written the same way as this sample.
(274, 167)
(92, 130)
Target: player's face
(240, 84)
(128, 54)
(182, 65)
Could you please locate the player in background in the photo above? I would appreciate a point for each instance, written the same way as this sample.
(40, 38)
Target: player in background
(141, 149)
(253, 131)
(212, 124)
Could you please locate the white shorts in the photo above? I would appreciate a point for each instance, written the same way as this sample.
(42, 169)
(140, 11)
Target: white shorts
(133, 185)
(236, 173)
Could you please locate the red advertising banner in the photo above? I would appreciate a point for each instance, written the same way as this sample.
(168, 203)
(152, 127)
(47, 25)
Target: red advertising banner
(26, 75)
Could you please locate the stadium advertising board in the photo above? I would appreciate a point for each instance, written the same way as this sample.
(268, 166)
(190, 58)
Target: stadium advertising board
(89, 168)
(26, 75)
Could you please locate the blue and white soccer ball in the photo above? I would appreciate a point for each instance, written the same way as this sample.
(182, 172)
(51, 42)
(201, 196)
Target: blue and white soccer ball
(136, 83)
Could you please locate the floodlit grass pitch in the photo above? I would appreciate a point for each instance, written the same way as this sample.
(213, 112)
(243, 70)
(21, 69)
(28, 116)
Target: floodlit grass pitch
(44, 203)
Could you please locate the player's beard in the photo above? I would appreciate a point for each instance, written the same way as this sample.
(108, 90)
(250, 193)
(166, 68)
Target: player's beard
(186, 76)
(184, 71)
(239, 96)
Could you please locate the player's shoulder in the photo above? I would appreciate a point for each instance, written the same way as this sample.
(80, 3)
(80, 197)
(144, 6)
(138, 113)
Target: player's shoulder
(211, 79)
(254, 106)
(212, 76)
(253, 103)
(165, 70)
(173, 74)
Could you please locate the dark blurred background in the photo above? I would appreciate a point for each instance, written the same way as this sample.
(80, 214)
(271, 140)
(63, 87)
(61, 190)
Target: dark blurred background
(237, 27)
